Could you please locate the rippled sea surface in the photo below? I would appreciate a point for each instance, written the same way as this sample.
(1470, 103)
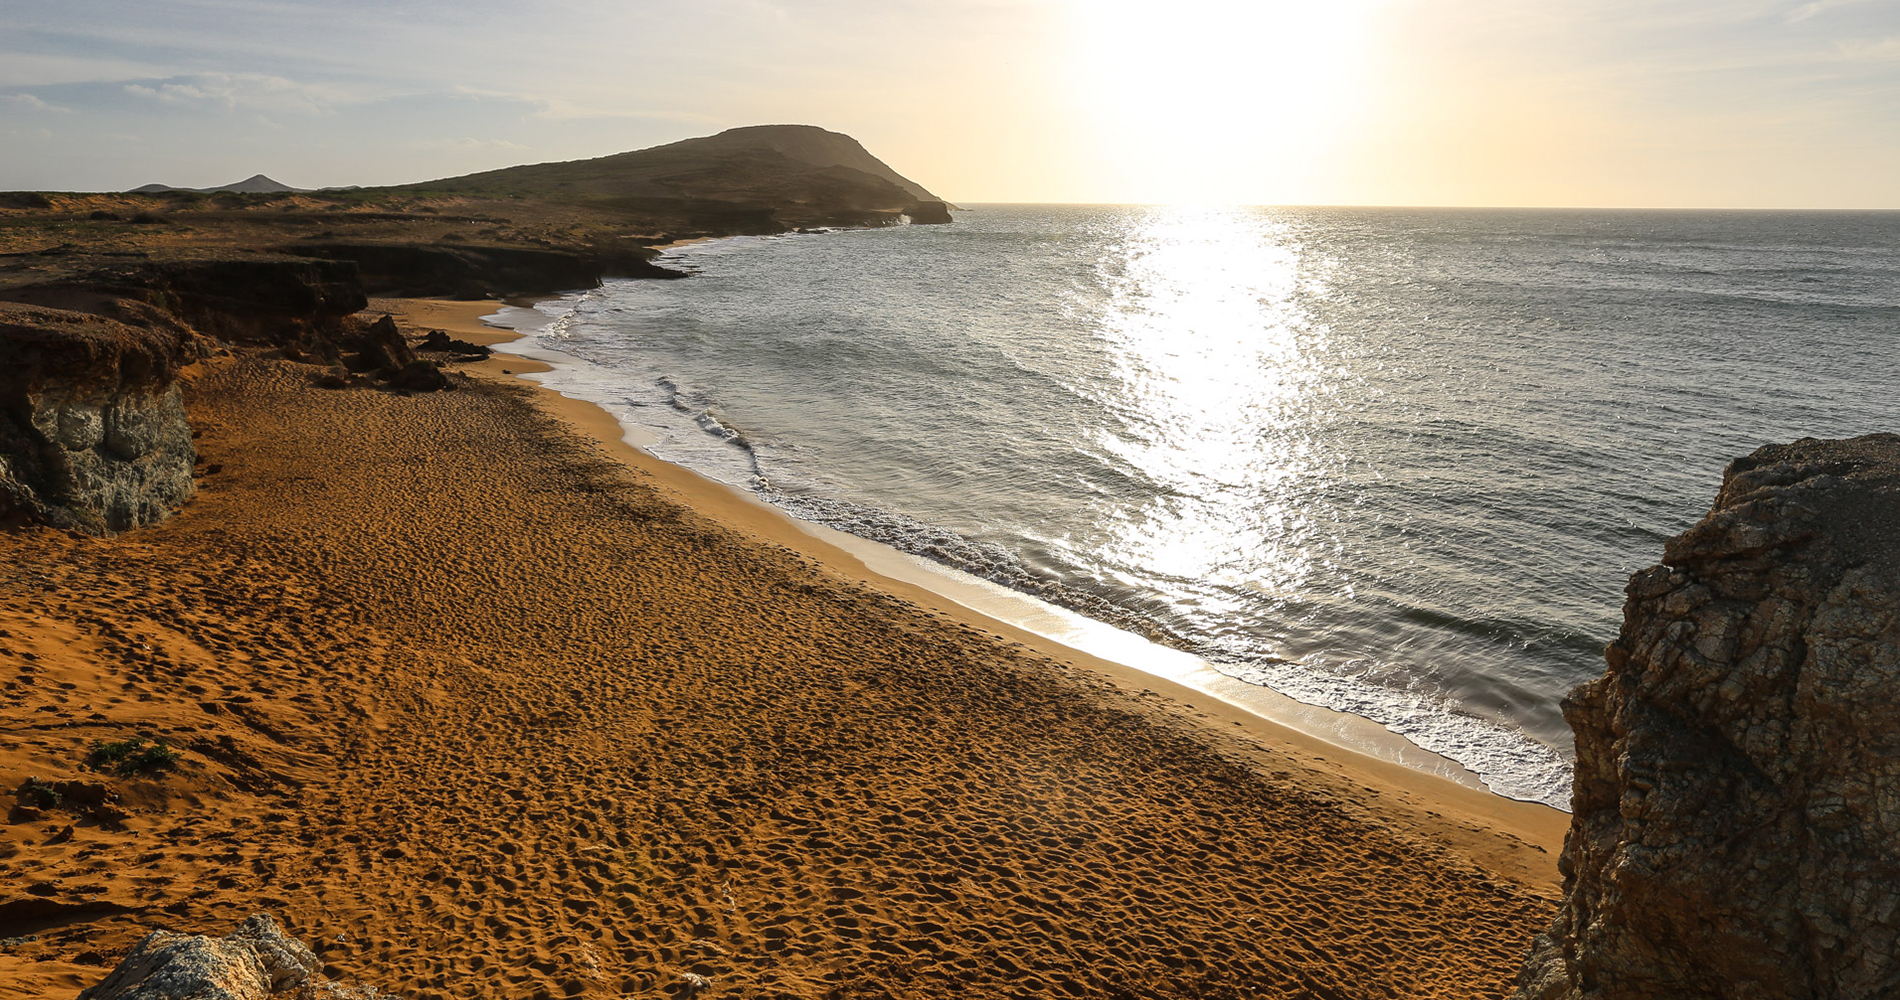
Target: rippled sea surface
(1395, 462)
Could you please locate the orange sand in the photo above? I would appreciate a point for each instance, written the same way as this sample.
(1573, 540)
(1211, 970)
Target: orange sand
(484, 708)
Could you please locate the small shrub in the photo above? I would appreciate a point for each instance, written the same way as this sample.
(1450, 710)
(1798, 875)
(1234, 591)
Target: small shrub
(104, 216)
(148, 219)
(132, 756)
(39, 794)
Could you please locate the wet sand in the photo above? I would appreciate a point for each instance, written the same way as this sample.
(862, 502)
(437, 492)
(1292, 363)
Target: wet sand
(482, 706)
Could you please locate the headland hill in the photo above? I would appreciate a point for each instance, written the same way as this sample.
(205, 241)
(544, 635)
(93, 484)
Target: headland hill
(313, 609)
(521, 230)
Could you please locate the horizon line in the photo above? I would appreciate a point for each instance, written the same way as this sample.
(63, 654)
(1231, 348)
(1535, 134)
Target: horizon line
(963, 205)
(966, 206)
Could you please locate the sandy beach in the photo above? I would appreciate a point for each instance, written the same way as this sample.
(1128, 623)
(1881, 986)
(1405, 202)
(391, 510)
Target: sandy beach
(482, 703)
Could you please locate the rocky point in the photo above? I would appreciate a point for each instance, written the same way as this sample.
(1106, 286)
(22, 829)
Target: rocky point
(1736, 827)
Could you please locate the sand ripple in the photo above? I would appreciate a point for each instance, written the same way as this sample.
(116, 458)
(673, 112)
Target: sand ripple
(480, 713)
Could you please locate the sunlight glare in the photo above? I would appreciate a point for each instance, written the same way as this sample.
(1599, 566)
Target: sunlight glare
(1210, 331)
(1215, 101)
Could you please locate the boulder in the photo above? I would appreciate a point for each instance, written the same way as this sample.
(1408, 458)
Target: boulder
(439, 340)
(93, 434)
(420, 376)
(1736, 818)
(287, 963)
(254, 962)
(381, 347)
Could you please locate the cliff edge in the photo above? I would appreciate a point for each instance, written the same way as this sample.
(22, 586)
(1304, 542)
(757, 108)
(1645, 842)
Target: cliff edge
(1736, 819)
(92, 428)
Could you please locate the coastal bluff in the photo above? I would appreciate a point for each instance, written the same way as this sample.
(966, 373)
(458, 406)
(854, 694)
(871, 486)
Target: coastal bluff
(111, 295)
(1736, 819)
(93, 434)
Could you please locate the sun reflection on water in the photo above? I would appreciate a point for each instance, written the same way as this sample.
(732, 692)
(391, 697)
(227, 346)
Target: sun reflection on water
(1219, 361)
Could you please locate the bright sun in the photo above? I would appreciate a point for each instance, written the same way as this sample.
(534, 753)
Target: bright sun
(1215, 100)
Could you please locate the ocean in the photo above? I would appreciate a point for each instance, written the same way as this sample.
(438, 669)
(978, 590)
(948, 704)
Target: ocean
(1393, 462)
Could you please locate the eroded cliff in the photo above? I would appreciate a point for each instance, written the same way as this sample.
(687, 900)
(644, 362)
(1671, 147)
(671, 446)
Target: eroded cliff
(1736, 828)
(92, 428)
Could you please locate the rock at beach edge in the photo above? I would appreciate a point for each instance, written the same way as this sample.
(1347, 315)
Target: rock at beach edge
(1736, 819)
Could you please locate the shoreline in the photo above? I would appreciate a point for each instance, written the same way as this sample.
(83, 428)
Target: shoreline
(480, 702)
(1515, 837)
(1375, 721)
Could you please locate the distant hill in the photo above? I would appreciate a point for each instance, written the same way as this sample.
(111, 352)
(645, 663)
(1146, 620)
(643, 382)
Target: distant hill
(796, 174)
(804, 143)
(525, 230)
(254, 184)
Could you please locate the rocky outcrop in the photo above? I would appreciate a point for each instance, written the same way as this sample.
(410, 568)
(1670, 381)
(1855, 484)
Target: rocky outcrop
(92, 428)
(299, 305)
(469, 272)
(439, 340)
(381, 348)
(1736, 828)
(304, 307)
(255, 962)
(420, 376)
(929, 213)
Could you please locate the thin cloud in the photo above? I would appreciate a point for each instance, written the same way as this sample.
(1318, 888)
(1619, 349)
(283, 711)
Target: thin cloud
(563, 109)
(31, 103)
(468, 143)
(171, 93)
(559, 109)
(20, 67)
(246, 91)
(1816, 8)
(1884, 50)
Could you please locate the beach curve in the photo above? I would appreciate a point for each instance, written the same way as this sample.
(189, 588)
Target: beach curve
(488, 708)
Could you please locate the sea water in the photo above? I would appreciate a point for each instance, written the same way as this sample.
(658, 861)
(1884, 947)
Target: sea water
(1394, 462)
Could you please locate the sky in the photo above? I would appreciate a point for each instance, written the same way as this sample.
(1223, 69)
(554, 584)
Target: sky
(1587, 103)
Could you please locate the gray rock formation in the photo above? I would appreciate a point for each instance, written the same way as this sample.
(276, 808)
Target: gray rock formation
(1736, 828)
(92, 428)
(255, 962)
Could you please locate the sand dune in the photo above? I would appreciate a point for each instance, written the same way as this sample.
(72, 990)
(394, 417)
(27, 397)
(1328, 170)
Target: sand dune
(481, 711)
